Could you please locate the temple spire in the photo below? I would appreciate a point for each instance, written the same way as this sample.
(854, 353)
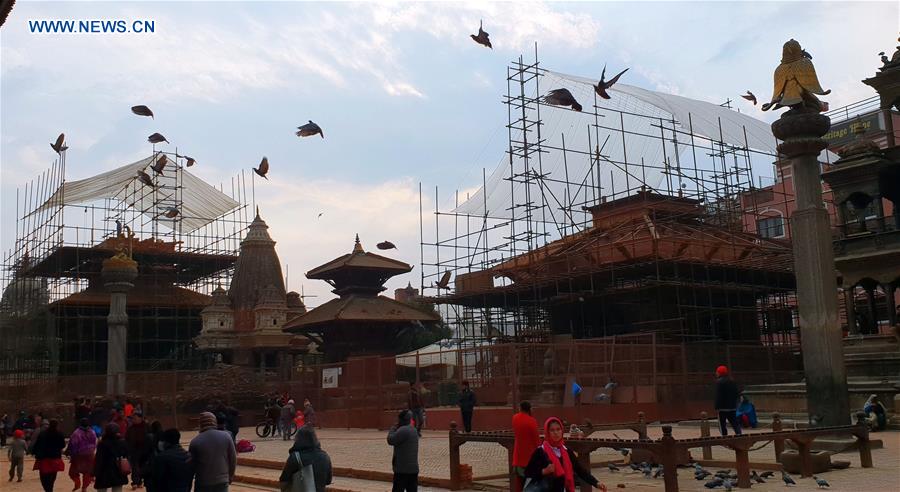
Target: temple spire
(357, 247)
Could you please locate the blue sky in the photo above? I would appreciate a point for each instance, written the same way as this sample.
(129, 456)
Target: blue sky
(401, 91)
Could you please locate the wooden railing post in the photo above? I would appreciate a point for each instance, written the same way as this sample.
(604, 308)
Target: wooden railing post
(642, 426)
(669, 458)
(584, 459)
(862, 436)
(704, 432)
(513, 477)
(454, 457)
(779, 443)
(742, 460)
(804, 449)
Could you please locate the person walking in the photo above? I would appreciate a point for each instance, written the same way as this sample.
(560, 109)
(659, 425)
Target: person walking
(213, 455)
(81, 449)
(40, 425)
(287, 419)
(307, 457)
(526, 439)
(16, 454)
(405, 463)
(556, 465)
(138, 449)
(727, 395)
(5, 427)
(417, 408)
(309, 414)
(467, 405)
(171, 469)
(48, 454)
(111, 462)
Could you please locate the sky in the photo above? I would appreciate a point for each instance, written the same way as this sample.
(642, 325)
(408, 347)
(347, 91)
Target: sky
(403, 94)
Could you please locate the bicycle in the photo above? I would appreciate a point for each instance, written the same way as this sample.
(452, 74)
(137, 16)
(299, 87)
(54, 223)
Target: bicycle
(268, 428)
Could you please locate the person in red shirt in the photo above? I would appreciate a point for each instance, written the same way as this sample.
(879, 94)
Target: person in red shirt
(527, 439)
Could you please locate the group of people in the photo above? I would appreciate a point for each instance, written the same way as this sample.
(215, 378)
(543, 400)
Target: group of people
(466, 402)
(283, 413)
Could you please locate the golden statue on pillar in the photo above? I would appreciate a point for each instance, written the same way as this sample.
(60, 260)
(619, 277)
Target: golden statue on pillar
(796, 83)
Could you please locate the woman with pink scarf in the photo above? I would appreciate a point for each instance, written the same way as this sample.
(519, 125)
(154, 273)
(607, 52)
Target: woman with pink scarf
(82, 444)
(553, 466)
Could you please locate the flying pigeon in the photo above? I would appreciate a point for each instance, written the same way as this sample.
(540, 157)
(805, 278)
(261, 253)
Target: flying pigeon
(767, 474)
(821, 482)
(157, 138)
(482, 38)
(386, 245)
(190, 161)
(444, 282)
(145, 178)
(750, 97)
(884, 58)
(625, 451)
(562, 97)
(611, 385)
(320, 215)
(142, 110)
(60, 144)
(612, 467)
(755, 477)
(171, 212)
(716, 482)
(118, 227)
(601, 86)
(787, 478)
(263, 168)
(309, 130)
(806, 54)
(160, 164)
(5, 9)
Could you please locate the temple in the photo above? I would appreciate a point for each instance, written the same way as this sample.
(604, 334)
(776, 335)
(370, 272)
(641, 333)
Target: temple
(360, 322)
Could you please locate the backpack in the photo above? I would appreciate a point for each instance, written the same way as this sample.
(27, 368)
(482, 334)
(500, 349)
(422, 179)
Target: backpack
(245, 446)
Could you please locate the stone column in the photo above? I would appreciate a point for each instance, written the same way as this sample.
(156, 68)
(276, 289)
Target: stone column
(821, 340)
(118, 273)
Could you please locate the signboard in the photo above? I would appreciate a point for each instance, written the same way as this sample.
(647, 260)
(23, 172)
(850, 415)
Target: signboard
(330, 377)
(842, 133)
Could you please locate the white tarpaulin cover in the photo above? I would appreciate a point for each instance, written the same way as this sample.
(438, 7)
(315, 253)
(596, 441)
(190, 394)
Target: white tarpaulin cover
(430, 355)
(644, 112)
(200, 202)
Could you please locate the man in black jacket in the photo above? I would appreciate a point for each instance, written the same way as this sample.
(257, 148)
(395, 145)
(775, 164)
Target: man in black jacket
(727, 395)
(405, 440)
(171, 469)
(467, 405)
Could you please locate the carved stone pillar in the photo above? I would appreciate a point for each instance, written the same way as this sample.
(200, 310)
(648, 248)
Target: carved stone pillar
(821, 336)
(118, 273)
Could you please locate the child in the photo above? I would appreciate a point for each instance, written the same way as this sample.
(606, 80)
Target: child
(16, 455)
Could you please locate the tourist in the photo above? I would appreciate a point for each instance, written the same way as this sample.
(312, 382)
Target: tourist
(82, 445)
(171, 469)
(309, 414)
(213, 455)
(746, 413)
(47, 452)
(287, 418)
(875, 410)
(16, 454)
(273, 413)
(527, 439)
(111, 464)
(556, 465)
(138, 449)
(316, 464)
(417, 408)
(466, 405)
(405, 463)
(232, 421)
(727, 395)
(40, 425)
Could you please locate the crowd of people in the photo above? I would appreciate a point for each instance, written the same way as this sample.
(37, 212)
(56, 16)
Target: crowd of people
(285, 417)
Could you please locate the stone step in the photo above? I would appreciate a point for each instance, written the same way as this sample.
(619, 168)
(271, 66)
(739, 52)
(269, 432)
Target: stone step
(268, 479)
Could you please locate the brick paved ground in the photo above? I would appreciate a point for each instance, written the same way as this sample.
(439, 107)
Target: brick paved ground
(368, 450)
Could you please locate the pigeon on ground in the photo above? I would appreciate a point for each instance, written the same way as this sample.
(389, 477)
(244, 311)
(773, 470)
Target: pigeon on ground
(157, 138)
(160, 164)
(750, 97)
(659, 472)
(562, 97)
(145, 178)
(60, 144)
(600, 87)
(612, 467)
(625, 451)
(821, 482)
(787, 479)
(171, 212)
(767, 474)
(723, 473)
(716, 482)
(728, 485)
(263, 168)
(386, 245)
(601, 397)
(635, 466)
(142, 110)
(755, 477)
(483, 38)
(309, 130)
(444, 282)
(700, 475)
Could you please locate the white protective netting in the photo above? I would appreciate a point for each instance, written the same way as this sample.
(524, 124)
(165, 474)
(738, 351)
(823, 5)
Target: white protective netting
(200, 202)
(641, 113)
